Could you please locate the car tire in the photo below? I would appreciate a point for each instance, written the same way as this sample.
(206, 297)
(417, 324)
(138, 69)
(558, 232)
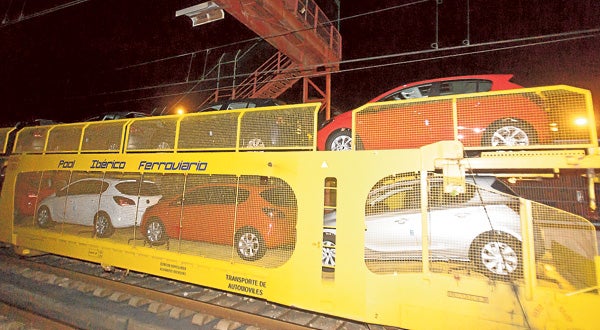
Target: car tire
(328, 258)
(43, 217)
(103, 225)
(155, 232)
(497, 255)
(509, 132)
(340, 140)
(249, 244)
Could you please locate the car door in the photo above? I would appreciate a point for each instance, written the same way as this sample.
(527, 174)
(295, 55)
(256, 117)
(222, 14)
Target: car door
(82, 201)
(416, 123)
(209, 214)
(394, 234)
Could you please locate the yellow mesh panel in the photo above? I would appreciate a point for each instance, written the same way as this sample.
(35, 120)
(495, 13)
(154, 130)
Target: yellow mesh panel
(4, 134)
(398, 125)
(209, 131)
(250, 219)
(103, 136)
(26, 197)
(571, 116)
(152, 134)
(393, 225)
(569, 249)
(31, 139)
(64, 138)
(286, 128)
(266, 218)
(545, 116)
(476, 232)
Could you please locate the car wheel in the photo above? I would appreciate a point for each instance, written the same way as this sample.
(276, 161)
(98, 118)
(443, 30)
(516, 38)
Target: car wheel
(509, 132)
(255, 143)
(43, 218)
(328, 258)
(163, 145)
(102, 225)
(250, 244)
(498, 255)
(340, 140)
(155, 232)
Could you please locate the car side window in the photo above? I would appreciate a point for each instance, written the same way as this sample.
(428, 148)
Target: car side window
(465, 86)
(240, 105)
(88, 187)
(410, 93)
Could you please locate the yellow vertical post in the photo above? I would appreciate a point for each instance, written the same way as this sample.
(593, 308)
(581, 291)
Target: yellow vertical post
(424, 224)
(528, 247)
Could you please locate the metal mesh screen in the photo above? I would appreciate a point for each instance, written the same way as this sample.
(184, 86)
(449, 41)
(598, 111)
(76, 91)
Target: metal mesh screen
(152, 134)
(31, 139)
(64, 138)
(478, 233)
(209, 131)
(286, 128)
(248, 219)
(242, 219)
(545, 116)
(4, 138)
(103, 136)
(570, 247)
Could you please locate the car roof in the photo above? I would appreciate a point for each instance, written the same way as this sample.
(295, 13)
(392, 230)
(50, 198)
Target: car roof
(260, 102)
(501, 79)
(117, 115)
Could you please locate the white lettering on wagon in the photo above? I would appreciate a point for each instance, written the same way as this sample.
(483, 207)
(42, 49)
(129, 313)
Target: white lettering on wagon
(172, 166)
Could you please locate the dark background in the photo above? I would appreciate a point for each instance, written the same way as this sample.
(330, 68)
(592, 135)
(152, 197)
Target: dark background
(67, 60)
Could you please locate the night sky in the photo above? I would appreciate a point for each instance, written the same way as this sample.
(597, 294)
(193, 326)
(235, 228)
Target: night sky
(110, 55)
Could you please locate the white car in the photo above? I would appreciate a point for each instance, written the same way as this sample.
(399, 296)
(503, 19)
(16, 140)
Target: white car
(105, 204)
(480, 226)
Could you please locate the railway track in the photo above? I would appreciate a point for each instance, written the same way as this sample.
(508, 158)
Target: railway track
(79, 294)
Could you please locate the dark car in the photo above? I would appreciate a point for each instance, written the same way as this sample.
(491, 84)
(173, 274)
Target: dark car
(240, 104)
(118, 115)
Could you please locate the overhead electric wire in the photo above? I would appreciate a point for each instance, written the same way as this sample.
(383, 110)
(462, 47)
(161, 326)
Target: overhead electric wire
(567, 36)
(6, 23)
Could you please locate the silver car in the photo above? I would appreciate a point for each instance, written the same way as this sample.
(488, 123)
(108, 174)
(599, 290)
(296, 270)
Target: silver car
(480, 226)
(105, 204)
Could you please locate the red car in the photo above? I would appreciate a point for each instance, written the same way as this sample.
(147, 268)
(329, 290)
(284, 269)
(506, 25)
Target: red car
(251, 217)
(500, 120)
(29, 191)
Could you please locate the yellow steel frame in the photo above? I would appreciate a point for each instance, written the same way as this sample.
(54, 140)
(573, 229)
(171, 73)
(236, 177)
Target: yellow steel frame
(423, 299)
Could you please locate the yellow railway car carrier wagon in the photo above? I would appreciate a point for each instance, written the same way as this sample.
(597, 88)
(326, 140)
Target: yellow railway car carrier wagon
(242, 201)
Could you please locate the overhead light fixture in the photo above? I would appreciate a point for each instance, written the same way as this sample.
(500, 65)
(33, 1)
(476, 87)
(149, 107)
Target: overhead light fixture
(203, 13)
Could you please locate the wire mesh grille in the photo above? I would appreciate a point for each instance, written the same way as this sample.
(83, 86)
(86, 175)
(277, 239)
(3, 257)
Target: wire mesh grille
(4, 138)
(209, 131)
(286, 128)
(570, 246)
(548, 116)
(152, 134)
(478, 232)
(31, 139)
(64, 138)
(103, 136)
(241, 219)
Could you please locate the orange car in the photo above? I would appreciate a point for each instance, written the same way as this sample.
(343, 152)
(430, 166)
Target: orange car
(251, 217)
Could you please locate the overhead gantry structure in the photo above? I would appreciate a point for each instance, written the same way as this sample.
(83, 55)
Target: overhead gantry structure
(309, 47)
